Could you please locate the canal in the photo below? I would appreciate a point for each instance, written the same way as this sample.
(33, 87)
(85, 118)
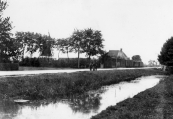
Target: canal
(78, 107)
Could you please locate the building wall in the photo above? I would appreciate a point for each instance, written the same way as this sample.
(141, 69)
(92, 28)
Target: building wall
(112, 63)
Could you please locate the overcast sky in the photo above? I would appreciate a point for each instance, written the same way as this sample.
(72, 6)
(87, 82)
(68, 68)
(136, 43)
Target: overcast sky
(139, 27)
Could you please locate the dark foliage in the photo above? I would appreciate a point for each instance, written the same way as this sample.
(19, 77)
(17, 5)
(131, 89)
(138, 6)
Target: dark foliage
(8, 46)
(60, 63)
(30, 62)
(32, 42)
(137, 58)
(166, 54)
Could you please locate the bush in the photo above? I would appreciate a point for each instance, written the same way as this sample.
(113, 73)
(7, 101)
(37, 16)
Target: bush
(30, 62)
(169, 69)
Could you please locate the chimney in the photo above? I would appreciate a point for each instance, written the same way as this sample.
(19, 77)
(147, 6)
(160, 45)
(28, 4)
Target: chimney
(121, 49)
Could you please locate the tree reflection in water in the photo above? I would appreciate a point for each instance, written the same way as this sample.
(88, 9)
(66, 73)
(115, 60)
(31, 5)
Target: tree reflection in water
(85, 103)
(78, 103)
(8, 109)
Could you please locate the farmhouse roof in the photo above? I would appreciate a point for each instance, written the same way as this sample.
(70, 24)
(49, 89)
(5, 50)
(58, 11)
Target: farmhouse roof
(117, 54)
(113, 53)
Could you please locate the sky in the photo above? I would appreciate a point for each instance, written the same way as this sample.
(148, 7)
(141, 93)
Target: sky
(139, 27)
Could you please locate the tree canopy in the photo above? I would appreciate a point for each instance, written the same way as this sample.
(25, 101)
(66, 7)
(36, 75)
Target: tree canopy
(93, 42)
(31, 42)
(8, 50)
(63, 45)
(87, 41)
(166, 54)
(76, 41)
(137, 58)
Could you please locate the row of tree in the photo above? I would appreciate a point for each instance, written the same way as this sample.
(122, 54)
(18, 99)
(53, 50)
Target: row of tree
(32, 42)
(87, 41)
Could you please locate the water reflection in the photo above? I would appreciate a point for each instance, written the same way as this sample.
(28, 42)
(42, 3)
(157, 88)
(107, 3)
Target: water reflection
(8, 109)
(85, 103)
(77, 107)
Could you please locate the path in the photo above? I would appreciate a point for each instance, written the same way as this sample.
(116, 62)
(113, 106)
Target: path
(30, 72)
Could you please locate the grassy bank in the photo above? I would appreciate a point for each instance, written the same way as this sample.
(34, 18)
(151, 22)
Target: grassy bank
(168, 97)
(154, 103)
(63, 85)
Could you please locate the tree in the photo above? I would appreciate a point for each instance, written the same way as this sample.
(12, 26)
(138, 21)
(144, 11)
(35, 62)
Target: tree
(93, 42)
(104, 56)
(28, 41)
(22, 42)
(45, 45)
(59, 45)
(66, 47)
(31, 42)
(152, 63)
(76, 43)
(166, 54)
(14, 52)
(87, 41)
(136, 58)
(63, 45)
(32, 45)
(6, 41)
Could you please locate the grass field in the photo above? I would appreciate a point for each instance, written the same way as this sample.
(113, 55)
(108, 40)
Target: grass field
(62, 85)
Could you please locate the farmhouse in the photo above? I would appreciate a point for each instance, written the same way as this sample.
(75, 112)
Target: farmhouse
(117, 58)
(117, 54)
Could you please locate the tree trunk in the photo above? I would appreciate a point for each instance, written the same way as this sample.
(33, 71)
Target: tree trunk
(58, 54)
(89, 59)
(116, 62)
(31, 54)
(0, 57)
(78, 59)
(68, 57)
(23, 52)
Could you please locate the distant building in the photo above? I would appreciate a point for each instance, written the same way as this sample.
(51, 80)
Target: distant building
(117, 58)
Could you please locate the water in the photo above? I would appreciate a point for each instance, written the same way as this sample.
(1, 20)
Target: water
(81, 107)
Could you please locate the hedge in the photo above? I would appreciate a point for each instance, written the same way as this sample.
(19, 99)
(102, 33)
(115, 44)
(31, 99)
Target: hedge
(60, 63)
(9, 66)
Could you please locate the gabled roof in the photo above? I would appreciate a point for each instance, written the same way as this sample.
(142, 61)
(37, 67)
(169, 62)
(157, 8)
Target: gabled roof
(117, 54)
(113, 53)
